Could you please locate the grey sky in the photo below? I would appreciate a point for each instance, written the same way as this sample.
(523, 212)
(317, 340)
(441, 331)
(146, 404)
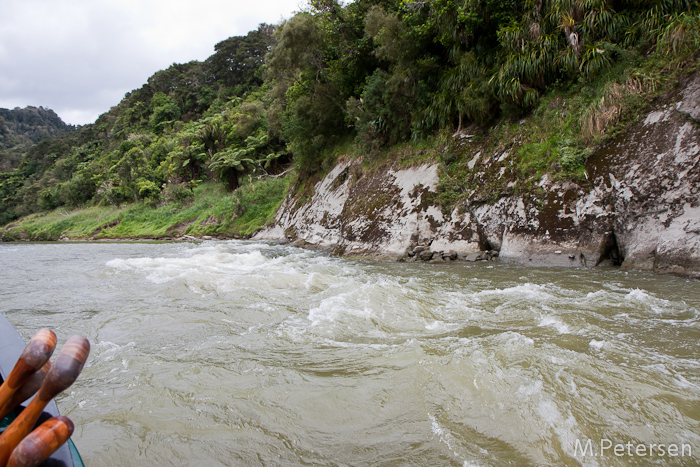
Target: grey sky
(79, 57)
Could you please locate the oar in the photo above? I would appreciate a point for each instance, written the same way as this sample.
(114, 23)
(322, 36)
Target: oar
(42, 442)
(32, 358)
(27, 390)
(63, 373)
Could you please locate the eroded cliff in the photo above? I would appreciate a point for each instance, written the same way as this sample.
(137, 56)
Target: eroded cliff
(639, 206)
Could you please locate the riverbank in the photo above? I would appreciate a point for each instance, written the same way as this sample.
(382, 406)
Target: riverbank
(206, 211)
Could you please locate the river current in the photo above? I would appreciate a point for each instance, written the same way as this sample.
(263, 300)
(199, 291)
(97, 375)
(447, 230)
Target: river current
(243, 353)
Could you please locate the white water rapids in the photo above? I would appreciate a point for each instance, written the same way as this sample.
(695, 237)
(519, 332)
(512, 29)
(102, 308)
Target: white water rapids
(243, 353)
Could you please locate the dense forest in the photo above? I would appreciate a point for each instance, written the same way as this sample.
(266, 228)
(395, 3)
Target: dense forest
(360, 79)
(22, 128)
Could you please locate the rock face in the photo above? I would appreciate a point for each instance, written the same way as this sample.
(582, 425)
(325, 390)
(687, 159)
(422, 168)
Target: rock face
(651, 176)
(640, 208)
(381, 214)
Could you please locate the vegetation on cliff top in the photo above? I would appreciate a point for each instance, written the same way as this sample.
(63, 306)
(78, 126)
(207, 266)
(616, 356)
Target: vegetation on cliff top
(377, 75)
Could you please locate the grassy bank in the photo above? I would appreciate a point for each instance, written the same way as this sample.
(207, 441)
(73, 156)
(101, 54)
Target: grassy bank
(208, 210)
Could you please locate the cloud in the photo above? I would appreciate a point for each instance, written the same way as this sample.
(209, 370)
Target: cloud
(79, 57)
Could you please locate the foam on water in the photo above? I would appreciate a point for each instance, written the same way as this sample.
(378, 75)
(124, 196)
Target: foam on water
(525, 291)
(556, 323)
(206, 263)
(445, 437)
(643, 300)
(598, 345)
(227, 268)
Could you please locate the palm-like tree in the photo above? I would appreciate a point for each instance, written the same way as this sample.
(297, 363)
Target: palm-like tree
(231, 163)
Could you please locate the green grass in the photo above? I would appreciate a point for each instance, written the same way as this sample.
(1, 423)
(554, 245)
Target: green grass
(59, 223)
(212, 211)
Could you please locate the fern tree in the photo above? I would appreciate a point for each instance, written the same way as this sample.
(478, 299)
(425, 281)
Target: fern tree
(212, 135)
(233, 162)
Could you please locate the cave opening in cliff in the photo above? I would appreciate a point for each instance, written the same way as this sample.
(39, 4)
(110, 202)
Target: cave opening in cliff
(484, 244)
(610, 251)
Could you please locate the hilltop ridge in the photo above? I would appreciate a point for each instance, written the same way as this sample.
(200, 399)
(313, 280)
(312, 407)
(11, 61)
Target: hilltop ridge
(22, 128)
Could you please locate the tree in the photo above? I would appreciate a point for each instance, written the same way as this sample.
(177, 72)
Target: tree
(238, 60)
(188, 155)
(231, 163)
(164, 112)
(304, 89)
(463, 90)
(212, 135)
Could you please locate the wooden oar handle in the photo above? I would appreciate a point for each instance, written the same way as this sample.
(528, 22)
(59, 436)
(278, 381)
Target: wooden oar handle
(66, 369)
(39, 349)
(62, 374)
(33, 357)
(41, 443)
(27, 390)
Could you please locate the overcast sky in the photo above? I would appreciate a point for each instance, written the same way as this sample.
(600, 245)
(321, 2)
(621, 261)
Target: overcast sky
(79, 57)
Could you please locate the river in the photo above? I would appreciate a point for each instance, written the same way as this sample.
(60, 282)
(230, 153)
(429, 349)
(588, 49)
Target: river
(243, 353)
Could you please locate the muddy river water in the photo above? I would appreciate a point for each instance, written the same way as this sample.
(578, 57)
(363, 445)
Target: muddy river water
(243, 353)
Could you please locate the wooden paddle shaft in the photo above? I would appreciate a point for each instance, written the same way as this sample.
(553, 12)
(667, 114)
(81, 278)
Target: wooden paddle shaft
(33, 357)
(63, 373)
(27, 390)
(42, 442)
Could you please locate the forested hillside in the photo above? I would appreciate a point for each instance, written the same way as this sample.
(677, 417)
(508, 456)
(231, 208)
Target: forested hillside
(22, 128)
(364, 79)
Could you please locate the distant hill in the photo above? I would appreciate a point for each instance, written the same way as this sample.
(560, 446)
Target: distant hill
(22, 128)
